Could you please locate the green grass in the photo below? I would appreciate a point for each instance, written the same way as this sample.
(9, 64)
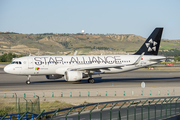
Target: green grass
(10, 108)
(83, 50)
(166, 47)
(7, 108)
(50, 106)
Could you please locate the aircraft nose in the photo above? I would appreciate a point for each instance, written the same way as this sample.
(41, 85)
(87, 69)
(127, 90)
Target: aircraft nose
(7, 69)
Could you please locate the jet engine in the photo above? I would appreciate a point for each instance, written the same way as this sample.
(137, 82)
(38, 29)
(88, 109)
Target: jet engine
(73, 75)
(54, 76)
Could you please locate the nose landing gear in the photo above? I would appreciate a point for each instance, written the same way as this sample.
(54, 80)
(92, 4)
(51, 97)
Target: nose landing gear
(28, 80)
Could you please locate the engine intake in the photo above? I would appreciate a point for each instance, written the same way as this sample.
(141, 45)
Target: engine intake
(73, 75)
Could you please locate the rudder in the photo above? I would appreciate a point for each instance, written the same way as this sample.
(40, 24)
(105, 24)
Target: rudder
(151, 45)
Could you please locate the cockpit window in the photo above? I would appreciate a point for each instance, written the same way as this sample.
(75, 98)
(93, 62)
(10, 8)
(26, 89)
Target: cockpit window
(16, 62)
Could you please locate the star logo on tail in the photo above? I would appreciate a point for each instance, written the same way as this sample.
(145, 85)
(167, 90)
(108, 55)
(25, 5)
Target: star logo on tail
(151, 45)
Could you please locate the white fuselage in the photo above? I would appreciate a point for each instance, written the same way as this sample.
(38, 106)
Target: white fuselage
(51, 65)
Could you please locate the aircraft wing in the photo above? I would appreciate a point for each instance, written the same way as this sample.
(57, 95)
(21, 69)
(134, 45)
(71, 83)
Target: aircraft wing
(98, 67)
(107, 66)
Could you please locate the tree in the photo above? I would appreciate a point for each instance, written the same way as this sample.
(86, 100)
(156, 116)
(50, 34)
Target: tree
(7, 57)
(176, 58)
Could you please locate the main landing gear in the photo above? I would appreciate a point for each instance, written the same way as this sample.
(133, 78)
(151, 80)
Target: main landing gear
(90, 80)
(28, 80)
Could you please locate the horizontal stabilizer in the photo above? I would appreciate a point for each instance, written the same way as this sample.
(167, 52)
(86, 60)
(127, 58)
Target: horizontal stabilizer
(157, 59)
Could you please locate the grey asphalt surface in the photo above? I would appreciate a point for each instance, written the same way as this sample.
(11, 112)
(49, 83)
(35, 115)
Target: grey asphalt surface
(122, 80)
(127, 80)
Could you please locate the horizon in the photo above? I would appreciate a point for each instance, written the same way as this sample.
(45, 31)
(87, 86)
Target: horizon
(9, 32)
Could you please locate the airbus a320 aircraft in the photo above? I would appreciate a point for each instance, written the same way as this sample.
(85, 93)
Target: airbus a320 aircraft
(77, 67)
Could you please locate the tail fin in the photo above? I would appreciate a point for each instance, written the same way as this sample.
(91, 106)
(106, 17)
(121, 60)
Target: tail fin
(151, 45)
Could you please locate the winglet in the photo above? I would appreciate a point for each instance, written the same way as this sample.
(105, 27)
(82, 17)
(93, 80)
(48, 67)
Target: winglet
(75, 53)
(139, 59)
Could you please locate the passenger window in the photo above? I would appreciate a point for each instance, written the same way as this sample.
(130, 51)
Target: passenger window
(19, 62)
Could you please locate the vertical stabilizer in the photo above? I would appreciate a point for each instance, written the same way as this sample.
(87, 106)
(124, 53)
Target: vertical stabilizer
(151, 45)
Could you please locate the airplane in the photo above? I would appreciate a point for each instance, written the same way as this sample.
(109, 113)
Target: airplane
(77, 67)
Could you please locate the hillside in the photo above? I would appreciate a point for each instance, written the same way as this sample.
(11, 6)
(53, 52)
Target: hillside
(68, 43)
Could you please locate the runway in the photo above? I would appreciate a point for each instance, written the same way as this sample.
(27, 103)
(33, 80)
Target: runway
(131, 79)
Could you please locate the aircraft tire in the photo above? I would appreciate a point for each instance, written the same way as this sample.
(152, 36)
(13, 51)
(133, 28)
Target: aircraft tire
(90, 80)
(28, 82)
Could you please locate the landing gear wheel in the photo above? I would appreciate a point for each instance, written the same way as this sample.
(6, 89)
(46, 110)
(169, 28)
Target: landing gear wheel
(28, 79)
(90, 80)
(28, 82)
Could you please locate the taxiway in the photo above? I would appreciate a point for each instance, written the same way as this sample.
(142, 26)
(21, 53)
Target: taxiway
(131, 79)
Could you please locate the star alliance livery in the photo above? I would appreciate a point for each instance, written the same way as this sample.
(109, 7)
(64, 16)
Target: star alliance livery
(77, 67)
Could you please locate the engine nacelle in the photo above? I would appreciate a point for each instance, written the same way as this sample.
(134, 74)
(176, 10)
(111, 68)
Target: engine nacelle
(73, 75)
(53, 76)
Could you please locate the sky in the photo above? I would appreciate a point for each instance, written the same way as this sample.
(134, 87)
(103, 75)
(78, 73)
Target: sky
(139, 17)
